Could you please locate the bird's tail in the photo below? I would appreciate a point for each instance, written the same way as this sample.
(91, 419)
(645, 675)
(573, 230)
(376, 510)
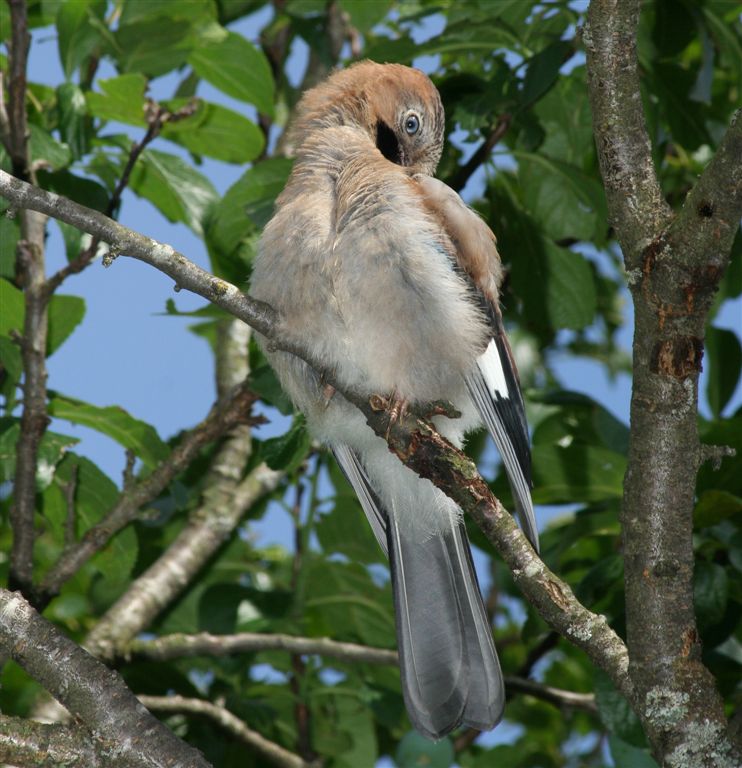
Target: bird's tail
(449, 667)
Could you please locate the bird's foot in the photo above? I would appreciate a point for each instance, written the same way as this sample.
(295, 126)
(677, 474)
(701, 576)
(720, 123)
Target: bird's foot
(395, 406)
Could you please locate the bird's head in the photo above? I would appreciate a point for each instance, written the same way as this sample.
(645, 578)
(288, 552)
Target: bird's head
(399, 108)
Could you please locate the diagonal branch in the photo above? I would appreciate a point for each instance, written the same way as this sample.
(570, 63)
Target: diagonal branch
(81, 683)
(413, 439)
(272, 752)
(219, 420)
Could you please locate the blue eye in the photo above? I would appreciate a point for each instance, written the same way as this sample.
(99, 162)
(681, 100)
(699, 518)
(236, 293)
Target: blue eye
(412, 124)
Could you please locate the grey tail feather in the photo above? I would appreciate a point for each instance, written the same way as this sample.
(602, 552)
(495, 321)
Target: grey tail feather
(449, 667)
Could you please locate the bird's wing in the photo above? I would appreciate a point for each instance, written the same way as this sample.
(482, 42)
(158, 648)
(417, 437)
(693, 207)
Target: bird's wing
(493, 382)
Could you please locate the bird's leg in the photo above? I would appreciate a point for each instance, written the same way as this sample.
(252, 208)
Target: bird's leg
(326, 390)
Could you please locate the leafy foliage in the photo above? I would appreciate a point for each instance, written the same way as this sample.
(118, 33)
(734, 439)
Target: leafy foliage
(515, 60)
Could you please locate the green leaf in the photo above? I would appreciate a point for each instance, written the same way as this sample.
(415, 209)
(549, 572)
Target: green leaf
(65, 314)
(724, 353)
(415, 751)
(626, 756)
(46, 149)
(77, 36)
(236, 67)
(195, 11)
(345, 530)
(131, 433)
(571, 298)
(715, 506)
(542, 70)
(365, 14)
(9, 236)
(245, 208)
(616, 713)
(567, 202)
(265, 384)
(577, 472)
(154, 46)
(216, 131)
(84, 191)
(121, 99)
(51, 450)
(289, 450)
(710, 593)
(73, 118)
(12, 316)
(174, 187)
(343, 601)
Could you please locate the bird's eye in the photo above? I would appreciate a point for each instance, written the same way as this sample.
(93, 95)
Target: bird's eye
(412, 124)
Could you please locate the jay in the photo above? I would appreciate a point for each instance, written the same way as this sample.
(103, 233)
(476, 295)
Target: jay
(391, 282)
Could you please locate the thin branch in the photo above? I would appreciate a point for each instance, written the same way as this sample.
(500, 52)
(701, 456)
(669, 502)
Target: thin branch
(414, 440)
(274, 753)
(31, 276)
(463, 174)
(624, 150)
(219, 420)
(178, 646)
(559, 697)
(156, 116)
(209, 527)
(17, 61)
(81, 683)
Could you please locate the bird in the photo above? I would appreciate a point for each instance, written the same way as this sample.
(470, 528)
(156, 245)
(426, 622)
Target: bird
(390, 282)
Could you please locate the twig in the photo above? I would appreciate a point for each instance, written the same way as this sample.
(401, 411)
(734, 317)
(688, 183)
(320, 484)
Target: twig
(271, 751)
(559, 697)
(417, 444)
(178, 646)
(128, 479)
(219, 421)
(81, 683)
(462, 175)
(156, 116)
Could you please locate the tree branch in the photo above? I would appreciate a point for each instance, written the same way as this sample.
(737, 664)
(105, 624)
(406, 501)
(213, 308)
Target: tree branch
(636, 206)
(177, 646)
(412, 439)
(464, 173)
(81, 683)
(271, 751)
(31, 276)
(219, 420)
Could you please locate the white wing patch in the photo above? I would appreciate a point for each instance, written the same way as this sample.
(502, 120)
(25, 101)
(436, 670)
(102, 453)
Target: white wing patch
(491, 367)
